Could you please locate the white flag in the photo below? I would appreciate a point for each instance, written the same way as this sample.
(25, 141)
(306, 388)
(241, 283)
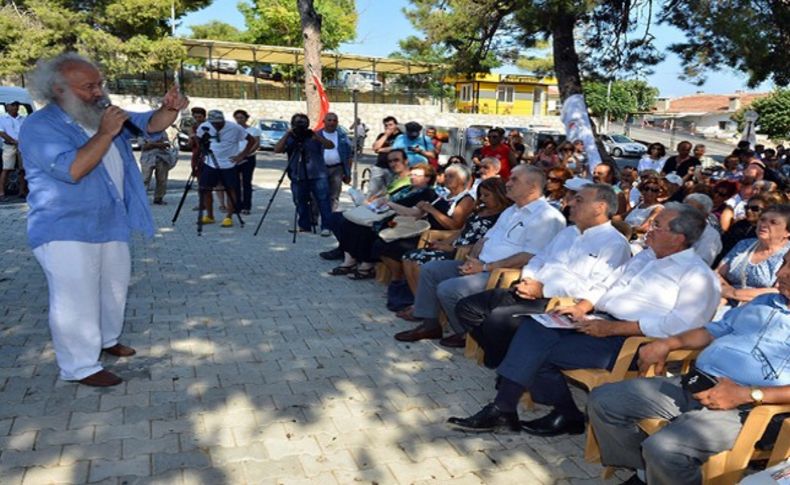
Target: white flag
(578, 127)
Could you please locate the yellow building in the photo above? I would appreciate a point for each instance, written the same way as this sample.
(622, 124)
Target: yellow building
(503, 94)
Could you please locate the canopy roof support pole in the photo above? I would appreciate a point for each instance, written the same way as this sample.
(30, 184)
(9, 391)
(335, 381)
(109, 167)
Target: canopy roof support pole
(254, 73)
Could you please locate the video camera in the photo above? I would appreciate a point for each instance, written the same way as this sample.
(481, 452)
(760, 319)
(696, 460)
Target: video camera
(205, 139)
(301, 128)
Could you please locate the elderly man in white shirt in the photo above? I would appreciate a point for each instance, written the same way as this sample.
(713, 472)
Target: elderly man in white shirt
(521, 231)
(664, 290)
(709, 244)
(575, 263)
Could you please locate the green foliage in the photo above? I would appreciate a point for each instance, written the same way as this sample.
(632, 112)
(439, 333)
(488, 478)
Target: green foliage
(627, 97)
(774, 112)
(277, 22)
(216, 30)
(478, 35)
(125, 36)
(748, 35)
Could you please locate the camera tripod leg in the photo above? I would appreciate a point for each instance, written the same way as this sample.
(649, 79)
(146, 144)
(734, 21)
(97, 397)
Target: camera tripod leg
(271, 200)
(201, 197)
(187, 188)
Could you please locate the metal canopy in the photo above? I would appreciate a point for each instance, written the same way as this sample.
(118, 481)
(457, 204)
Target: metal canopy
(214, 49)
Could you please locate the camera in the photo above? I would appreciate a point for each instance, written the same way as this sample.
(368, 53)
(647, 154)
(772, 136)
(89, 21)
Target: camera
(301, 128)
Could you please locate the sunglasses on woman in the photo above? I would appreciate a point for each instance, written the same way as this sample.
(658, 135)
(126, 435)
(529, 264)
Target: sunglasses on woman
(754, 208)
(655, 190)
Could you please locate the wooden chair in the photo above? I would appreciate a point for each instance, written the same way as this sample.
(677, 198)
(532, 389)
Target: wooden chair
(499, 278)
(727, 467)
(384, 275)
(782, 446)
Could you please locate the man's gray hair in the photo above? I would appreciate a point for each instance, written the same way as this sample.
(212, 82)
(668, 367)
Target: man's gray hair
(459, 170)
(535, 173)
(493, 161)
(701, 199)
(688, 221)
(48, 74)
(605, 193)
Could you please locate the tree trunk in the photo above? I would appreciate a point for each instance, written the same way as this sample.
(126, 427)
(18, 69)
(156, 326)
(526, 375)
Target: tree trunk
(566, 62)
(311, 31)
(566, 68)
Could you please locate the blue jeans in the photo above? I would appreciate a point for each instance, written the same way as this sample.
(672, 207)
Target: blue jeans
(301, 190)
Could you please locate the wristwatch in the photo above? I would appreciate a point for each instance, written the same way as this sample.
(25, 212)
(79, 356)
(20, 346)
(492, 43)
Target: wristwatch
(757, 395)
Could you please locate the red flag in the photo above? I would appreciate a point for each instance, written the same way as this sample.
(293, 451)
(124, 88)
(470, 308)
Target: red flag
(324, 102)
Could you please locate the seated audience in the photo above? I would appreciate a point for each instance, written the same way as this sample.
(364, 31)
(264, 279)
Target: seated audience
(575, 263)
(631, 306)
(738, 201)
(522, 230)
(491, 201)
(606, 173)
(356, 241)
(746, 228)
(488, 168)
(641, 216)
(708, 246)
(723, 191)
(746, 352)
(653, 159)
(547, 156)
(628, 181)
(555, 186)
(750, 268)
(446, 213)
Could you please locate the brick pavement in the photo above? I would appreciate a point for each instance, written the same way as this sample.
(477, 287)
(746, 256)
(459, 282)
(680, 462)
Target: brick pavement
(253, 366)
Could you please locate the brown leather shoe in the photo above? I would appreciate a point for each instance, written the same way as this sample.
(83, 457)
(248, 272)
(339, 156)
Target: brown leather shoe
(455, 341)
(421, 332)
(120, 350)
(103, 378)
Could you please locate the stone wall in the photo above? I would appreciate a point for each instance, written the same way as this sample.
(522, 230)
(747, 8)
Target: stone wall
(371, 114)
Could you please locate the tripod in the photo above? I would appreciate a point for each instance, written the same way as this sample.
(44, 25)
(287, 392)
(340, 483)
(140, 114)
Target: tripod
(301, 163)
(208, 154)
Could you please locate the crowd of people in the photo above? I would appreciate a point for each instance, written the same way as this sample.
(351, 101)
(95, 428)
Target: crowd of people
(687, 251)
(659, 250)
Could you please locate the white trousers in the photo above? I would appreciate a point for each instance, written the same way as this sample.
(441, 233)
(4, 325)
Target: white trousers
(87, 298)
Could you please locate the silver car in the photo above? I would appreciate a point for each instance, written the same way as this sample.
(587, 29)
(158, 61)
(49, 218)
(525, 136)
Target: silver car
(622, 146)
(271, 132)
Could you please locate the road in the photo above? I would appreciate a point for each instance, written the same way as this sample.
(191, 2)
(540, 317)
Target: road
(651, 135)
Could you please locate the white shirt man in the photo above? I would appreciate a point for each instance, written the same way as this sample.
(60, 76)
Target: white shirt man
(577, 263)
(332, 155)
(666, 296)
(522, 229)
(225, 143)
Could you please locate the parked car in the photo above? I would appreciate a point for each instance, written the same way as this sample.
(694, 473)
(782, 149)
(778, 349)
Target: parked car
(271, 132)
(228, 66)
(622, 146)
(185, 125)
(534, 138)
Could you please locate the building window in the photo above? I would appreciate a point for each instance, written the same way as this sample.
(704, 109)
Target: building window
(723, 125)
(505, 94)
(466, 92)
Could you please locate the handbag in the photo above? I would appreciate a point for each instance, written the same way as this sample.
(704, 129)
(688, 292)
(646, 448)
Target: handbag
(363, 216)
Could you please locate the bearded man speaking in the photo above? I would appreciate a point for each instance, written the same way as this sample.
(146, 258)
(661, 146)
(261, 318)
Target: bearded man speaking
(86, 198)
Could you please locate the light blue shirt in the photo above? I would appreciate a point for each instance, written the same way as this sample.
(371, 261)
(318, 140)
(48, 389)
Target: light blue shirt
(403, 142)
(92, 209)
(751, 343)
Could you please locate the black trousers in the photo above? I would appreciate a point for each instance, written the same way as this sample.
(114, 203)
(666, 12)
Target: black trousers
(245, 172)
(488, 316)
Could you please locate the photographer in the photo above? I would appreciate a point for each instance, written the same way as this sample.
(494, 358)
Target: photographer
(307, 171)
(418, 147)
(219, 142)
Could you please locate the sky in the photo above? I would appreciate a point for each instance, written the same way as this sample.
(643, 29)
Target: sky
(374, 39)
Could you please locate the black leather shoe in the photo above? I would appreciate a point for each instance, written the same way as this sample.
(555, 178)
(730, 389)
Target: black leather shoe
(332, 255)
(553, 424)
(490, 418)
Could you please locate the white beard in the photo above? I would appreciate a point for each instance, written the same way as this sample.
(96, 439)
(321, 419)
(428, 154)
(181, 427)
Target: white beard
(87, 114)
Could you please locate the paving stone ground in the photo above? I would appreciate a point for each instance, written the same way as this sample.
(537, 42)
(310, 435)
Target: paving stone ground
(253, 366)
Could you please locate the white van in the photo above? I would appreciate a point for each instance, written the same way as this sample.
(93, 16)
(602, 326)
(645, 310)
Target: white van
(228, 66)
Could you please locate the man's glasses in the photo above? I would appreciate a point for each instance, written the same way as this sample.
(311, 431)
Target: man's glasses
(654, 190)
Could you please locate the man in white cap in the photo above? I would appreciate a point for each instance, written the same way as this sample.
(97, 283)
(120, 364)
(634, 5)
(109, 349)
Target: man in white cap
(224, 138)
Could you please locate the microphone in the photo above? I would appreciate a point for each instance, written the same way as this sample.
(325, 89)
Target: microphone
(104, 103)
